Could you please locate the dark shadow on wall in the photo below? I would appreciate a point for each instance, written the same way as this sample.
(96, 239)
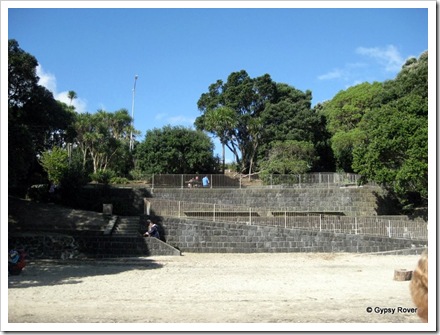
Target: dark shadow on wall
(387, 203)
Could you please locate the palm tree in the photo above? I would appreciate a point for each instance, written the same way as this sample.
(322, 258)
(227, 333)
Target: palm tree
(221, 121)
(71, 95)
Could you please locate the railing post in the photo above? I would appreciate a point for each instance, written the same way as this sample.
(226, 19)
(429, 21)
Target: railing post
(178, 209)
(250, 216)
(181, 181)
(213, 214)
(271, 180)
(320, 222)
(389, 228)
(152, 182)
(285, 219)
(211, 181)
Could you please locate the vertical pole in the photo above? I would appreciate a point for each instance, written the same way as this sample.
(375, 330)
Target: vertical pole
(132, 114)
(211, 181)
(355, 225)
(285, 219)
(178, 209)
(389, 228)
(152, 182)
(213, 214)
(271, 181)
(250, 216)
(320, 222)
(181, 181)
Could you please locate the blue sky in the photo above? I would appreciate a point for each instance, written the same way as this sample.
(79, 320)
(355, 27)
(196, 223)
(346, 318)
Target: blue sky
(178, 52)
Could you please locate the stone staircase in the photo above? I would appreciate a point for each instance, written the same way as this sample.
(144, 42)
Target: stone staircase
(125, 240)
(49, 231)
(127, 226)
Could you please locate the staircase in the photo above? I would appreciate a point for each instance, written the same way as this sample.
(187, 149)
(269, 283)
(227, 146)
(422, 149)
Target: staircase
(126, 240)
(127, 226)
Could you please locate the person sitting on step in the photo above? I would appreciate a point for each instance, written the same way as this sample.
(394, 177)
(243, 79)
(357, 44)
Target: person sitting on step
(152, 230)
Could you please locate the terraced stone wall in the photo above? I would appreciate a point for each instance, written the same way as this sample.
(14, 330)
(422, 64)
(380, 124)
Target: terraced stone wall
(206, 236)
(358, 201)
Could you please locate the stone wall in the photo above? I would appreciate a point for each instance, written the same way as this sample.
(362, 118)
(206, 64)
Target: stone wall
(352, 201)
(206, 236)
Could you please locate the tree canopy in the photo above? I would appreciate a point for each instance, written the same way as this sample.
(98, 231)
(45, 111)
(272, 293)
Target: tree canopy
(36, 121)
(175, 150)
(248, 114)
(393, 149)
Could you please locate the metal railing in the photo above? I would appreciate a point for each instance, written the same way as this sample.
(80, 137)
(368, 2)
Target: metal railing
(293, 219)
(319, 179)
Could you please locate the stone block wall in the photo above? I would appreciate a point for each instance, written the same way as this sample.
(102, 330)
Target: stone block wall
(360, 201)
(207, 236)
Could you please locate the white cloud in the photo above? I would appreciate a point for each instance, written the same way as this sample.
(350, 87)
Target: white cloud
(335, 74)
(49, 81)
(389, 57)
(160, 116)
(181, 119)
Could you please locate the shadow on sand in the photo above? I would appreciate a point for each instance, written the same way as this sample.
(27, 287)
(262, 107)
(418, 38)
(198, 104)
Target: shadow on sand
(49, 273)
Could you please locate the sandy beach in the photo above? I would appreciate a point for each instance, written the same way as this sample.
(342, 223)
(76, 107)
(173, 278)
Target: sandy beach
(216, 288)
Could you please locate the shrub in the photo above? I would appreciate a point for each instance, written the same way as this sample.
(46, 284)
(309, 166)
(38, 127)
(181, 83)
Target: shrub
(103, 176)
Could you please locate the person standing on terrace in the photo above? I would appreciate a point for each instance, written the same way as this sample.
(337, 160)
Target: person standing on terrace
(205, 181)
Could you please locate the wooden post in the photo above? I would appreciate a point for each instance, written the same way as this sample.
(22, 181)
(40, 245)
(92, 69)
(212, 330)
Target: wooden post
(402, 275)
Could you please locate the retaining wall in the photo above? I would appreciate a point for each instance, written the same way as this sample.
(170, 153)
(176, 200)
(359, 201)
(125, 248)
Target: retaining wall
(203, 236)
(352, 201)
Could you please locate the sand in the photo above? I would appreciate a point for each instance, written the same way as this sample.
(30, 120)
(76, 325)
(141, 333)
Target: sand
(286, 288)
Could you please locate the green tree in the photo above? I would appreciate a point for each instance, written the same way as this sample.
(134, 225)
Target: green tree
(56, 163)
(102, 135)
(221, 122)
(247, 98)
(175, 150)
(393, 149)
(343, 113)
(36, 121)
(289, 157)
(262, 112)
(71, 95)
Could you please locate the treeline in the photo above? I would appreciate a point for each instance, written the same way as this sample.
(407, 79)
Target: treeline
(378, 130)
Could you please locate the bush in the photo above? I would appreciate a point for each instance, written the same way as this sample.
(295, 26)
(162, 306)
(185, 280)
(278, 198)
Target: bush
(119, 180)
(103, 177)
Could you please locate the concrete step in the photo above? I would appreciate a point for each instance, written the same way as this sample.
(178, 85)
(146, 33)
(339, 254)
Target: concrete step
(127, 226)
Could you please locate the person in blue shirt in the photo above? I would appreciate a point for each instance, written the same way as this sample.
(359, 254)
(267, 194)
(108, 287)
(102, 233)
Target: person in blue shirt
(152, 230)
(205, 181)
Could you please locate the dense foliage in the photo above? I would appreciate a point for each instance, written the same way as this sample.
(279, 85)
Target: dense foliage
(36, 121)
(249, 114)
(175, 150)
(393, 149)
(380, 131)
